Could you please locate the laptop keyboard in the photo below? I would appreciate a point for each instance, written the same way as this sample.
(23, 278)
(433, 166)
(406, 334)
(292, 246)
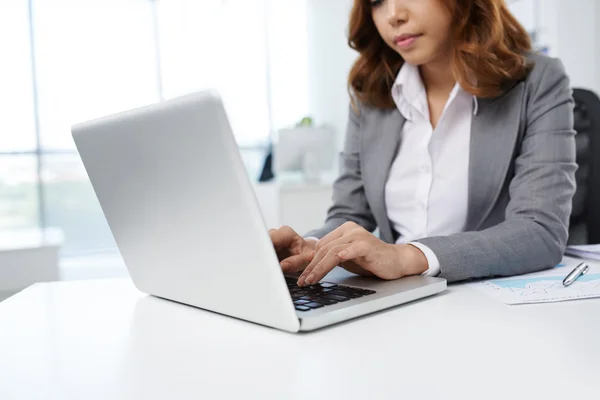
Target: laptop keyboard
(322, 294)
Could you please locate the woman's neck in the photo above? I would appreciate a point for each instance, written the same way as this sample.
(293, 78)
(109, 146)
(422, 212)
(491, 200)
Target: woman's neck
(438, 77)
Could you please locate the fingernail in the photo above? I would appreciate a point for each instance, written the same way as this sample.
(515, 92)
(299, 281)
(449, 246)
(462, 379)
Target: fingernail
(343, 254)
(285, 265)
(309, 280)
(300, 281)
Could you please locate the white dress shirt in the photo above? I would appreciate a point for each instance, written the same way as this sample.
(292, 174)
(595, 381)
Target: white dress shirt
(426, 193)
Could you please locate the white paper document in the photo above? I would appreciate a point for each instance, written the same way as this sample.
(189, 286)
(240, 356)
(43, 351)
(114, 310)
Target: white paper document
(543, 287)
(591, 251)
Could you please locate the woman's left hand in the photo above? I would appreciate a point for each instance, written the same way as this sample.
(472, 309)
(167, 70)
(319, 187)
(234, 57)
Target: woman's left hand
(355, 248)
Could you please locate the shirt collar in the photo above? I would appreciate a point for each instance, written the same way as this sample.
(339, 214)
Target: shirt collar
(408, 88)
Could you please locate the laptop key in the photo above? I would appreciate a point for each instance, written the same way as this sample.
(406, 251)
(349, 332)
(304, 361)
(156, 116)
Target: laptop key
(313, 305)
(345, 293)
(327, 284)
(324, 293)
(311, 288)
(325, 301)
(312, 297)
(302, 308)
(339, 299)
(363, 291)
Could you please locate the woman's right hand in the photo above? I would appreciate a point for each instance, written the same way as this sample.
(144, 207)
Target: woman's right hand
(293, 251)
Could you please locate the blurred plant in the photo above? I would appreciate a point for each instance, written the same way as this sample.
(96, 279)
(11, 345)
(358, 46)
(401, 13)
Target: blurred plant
(306, 121)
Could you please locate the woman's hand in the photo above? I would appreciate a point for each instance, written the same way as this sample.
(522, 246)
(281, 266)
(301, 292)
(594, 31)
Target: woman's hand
(359, 251)
(293, 251)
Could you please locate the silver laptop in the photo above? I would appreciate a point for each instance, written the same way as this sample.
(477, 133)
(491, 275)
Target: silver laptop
(174, 190)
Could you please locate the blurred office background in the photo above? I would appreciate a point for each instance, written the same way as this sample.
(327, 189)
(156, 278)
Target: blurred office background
(274, 62)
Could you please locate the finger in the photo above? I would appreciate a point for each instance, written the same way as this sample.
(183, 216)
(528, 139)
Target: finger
(297, 263)
(322, 268)
(282, 237)
(349, 237)
(322, 252)
(336, 234)
(355, 250)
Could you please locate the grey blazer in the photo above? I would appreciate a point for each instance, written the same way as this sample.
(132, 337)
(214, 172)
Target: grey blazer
(521, 178)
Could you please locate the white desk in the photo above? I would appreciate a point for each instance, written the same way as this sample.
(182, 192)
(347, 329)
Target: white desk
(105, 340)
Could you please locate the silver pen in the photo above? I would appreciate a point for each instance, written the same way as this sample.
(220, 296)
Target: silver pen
(579, 270)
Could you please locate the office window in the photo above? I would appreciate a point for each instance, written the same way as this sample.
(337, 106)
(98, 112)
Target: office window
(221, 45)
(66, 61)
(18, 170)
(288, 61)
(17, 123)
(18, 192)
(71, 204)
(93, 58)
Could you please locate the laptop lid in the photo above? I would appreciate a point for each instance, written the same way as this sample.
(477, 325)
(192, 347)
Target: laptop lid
(171, 182)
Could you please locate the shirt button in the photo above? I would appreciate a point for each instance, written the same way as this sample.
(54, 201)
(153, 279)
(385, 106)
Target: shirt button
(425, 168)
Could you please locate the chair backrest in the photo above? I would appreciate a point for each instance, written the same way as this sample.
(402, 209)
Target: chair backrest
(585, 218)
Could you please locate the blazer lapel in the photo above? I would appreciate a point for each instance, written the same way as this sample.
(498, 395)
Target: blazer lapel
(380, 147)
(494, 132)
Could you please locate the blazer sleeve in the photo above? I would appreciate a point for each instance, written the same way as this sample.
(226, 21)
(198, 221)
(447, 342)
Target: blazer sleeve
(534, 234)
(349, 199)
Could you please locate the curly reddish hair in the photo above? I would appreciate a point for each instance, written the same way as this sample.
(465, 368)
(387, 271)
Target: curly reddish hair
(489, 50)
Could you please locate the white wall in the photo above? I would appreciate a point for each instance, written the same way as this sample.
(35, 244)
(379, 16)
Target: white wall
(571, 30)
(288, 61)
(330, 60)
(525, 11)
(578, 40)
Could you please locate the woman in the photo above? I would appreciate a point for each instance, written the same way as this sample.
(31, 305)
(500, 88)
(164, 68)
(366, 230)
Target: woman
(460, 149)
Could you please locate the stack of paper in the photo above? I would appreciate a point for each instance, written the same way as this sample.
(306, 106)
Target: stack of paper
(591, 251)
(543, 287)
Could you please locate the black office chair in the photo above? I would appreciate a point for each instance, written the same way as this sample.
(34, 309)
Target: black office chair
(585, 218)
(267, 172)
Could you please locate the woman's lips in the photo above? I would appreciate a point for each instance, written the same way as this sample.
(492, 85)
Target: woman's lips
(406, 40)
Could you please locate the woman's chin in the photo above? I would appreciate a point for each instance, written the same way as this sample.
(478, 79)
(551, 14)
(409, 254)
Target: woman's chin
(414, 57)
